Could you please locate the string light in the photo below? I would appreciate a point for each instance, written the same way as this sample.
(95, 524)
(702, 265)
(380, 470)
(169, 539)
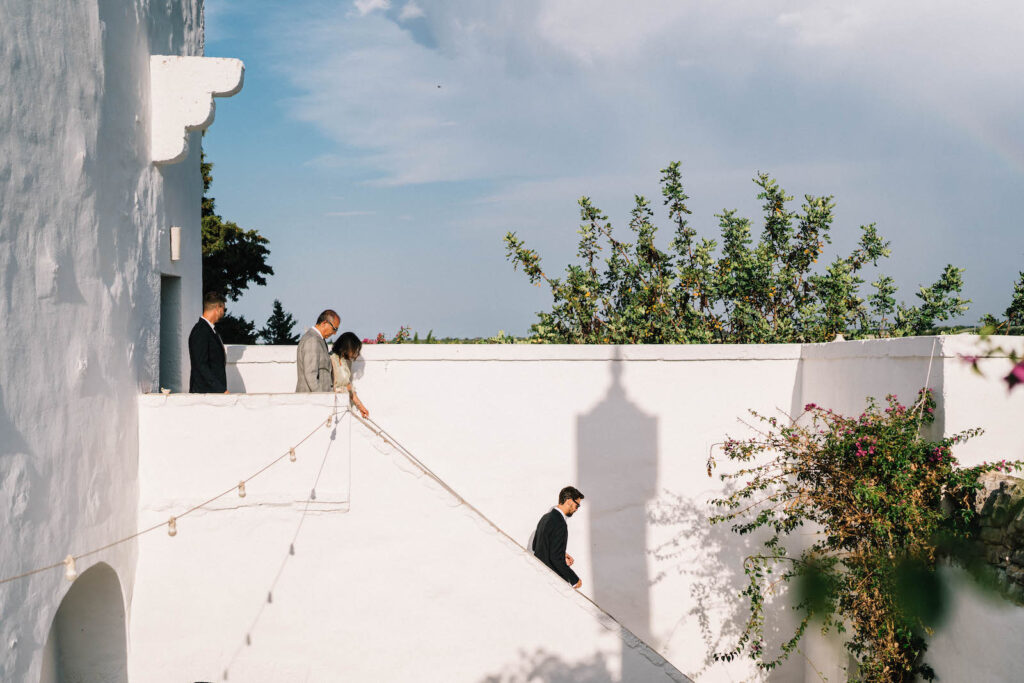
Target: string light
(71, 572)
(291, 548)
(312, 494)
(248, 639)
(270, 597)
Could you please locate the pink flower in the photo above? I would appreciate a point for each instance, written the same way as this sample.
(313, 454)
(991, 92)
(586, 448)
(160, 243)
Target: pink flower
(1016, 376)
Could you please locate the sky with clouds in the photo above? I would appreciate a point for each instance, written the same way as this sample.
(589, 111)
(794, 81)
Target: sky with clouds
(386, 146)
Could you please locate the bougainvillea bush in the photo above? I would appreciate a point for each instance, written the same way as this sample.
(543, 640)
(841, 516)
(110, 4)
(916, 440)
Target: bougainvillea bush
(880, 503)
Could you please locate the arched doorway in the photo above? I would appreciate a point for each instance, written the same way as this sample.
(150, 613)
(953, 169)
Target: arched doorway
(87, 641)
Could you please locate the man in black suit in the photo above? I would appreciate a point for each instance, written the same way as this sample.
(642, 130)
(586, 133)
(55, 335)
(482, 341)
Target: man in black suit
(206, 350)
(552, 534)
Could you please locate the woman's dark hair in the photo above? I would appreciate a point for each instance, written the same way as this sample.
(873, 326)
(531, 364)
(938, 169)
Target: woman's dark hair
(347, 345)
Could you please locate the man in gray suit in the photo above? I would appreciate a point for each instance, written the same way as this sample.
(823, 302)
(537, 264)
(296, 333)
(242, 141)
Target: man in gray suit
(312, 361)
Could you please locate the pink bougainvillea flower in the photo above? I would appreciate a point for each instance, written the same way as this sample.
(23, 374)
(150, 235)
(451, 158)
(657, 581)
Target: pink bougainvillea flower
(1016, 375)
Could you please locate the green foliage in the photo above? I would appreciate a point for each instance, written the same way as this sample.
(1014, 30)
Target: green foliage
(1015, 311)
(403, 337)
(736, 290)
(237, 330)
(878, 505)
(233, 258)
(279, 327)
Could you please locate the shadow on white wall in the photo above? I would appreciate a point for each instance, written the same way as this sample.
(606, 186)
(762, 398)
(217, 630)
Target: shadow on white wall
(617, 471)
(87, 641)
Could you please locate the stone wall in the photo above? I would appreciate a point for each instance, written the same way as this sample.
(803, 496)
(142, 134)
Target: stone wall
(1001, 504)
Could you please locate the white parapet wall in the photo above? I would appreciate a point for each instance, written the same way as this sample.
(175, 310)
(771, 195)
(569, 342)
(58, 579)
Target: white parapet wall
(381, 575)
(508, 425)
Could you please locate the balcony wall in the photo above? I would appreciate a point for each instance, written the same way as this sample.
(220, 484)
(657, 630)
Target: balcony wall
(507, 426)
(392, 579)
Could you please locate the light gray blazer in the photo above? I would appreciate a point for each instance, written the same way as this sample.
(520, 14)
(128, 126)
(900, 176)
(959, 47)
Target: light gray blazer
(313, 364)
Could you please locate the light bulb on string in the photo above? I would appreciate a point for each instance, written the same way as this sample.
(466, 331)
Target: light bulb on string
(330, 418)
(248, 639)
(312, 494)
(70, 573)
(291, 548)
(241, 489)
(291, 454)
(270, 598)
(172, 527)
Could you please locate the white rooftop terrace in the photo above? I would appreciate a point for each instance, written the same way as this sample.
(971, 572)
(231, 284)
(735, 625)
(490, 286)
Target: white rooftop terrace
(394, 579)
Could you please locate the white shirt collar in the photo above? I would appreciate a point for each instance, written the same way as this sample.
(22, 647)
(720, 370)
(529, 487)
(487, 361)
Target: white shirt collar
(318, 332)
(561, 513)
(209, 323)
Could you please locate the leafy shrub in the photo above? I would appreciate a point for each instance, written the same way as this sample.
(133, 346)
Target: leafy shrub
(883, 505)
(744, 292)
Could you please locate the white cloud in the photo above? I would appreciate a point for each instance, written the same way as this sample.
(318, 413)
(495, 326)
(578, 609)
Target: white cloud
(566, 88)
(410, 11)
(366, 6)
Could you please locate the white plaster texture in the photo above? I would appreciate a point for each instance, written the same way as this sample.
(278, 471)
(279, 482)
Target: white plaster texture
(392, 579)
(181, 98)
(632, 427)
(83, 244)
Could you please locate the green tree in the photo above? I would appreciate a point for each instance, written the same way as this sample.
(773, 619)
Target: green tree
(278, 329)
(1015, 311)
(746, 289)
(237, 330)
(233, 258)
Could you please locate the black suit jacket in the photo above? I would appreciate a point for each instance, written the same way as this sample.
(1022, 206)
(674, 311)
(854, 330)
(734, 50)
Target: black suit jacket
(549, 544)
(206, 356)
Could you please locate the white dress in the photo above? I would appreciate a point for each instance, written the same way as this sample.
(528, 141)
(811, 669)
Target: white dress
(342, 372)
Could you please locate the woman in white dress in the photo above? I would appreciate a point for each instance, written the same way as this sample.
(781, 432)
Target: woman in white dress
(345, 350)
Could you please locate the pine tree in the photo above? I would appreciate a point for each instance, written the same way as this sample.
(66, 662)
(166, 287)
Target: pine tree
(236, 330)
(233, 258)
(279, 327)
(1015, 312)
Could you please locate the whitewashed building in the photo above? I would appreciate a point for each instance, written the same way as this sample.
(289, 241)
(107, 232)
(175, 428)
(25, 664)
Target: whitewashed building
(353, 560)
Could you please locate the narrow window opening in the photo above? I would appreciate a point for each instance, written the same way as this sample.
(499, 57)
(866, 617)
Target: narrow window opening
(170, 333)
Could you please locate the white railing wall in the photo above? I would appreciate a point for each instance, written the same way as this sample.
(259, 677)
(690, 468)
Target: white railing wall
(508, 425)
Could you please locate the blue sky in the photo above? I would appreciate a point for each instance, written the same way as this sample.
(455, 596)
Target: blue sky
(386, 146)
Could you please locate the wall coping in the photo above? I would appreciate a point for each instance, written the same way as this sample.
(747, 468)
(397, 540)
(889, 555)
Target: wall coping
(257, 400)
(945, 346)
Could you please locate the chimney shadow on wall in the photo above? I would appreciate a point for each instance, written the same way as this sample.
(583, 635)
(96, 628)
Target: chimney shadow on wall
(617, 471)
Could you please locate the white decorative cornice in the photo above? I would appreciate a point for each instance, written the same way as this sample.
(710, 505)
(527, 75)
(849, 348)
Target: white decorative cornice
(181, 99)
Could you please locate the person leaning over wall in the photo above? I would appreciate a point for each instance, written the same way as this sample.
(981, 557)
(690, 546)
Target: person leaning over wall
(345, 351)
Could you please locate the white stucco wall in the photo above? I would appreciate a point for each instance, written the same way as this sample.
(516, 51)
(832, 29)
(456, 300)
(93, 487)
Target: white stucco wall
(84, 231)
(632, 426)
(391, 580)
